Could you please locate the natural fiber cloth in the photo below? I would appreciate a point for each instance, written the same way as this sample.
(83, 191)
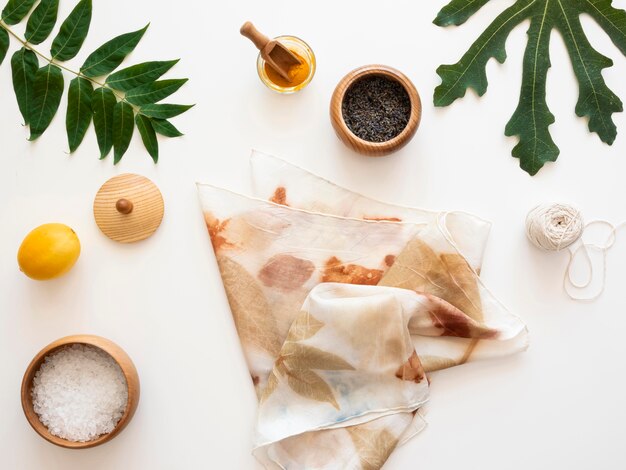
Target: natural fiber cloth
(341, 318)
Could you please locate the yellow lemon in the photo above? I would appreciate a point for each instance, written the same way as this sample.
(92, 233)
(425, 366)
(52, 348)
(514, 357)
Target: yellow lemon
(48, 251)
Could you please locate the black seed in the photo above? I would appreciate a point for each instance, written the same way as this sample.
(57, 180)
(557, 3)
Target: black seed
(376, 108)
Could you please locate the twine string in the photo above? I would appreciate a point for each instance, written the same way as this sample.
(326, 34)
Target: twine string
(553, 227)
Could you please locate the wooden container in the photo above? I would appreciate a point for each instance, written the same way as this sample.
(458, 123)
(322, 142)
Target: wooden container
(118, 355)
(374, 149)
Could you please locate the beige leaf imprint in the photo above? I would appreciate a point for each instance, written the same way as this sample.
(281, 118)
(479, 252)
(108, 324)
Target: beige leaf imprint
(304, 326)
(296, 362)
(253, 318)
(310, 385)
(272, 383)
(447, 276)
(433, 363)
(299, 356)
(374, 446)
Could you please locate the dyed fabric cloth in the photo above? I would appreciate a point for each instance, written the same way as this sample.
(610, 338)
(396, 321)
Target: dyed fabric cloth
(342, 313)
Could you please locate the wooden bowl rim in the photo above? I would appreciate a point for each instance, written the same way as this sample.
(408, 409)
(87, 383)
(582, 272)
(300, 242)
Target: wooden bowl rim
(119, 356)
(352, 77)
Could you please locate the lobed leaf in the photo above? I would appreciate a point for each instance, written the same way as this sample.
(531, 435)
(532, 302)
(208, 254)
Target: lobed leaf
(16, 10)
(469, 72)
(102, 103)
(612, 20)
(164, 111)
(123, 126)
(154, 91)
(79, 112)
(73, 32)
(47, 92)
(595, 99)
(110, 55)
(4, 44)
(42, 21)
(148, 136)
(165, 128)
(458, 12)
(24, 65)
(140, 74)
(532, 118)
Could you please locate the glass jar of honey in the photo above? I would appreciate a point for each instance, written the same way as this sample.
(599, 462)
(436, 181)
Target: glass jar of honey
(301, 75)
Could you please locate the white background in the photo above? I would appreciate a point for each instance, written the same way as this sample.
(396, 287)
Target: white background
(559, 405)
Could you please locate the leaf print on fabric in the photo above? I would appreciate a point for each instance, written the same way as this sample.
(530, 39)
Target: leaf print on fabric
(310, 385)
(303, 327)
(253, 318)
(296, 361)
(448, 276)
(374, 446)
(336, 271)
(453, 322)
(411, 370)
(298, 356)
(433, 363)
(272, 383)
(286, 272)
(280, 196)
(215, 228)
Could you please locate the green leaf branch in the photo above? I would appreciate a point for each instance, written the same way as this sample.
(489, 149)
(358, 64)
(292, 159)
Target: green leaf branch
(116, 101)
(532, 118)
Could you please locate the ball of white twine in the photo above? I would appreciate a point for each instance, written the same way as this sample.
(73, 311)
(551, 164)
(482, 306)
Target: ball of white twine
(553, 227)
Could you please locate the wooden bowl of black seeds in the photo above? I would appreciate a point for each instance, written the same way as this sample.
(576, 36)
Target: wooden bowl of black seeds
(375, 110)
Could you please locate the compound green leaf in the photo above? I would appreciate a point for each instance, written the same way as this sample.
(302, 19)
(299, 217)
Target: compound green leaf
(154, 92)
(123, 126)
(4, 44)
(47, 92)
(16, 10)
(79, 111)
(164, 111)
(103, 102)
(165, 128)
(140, 74)
(42, 21)
(148, 136)
(73, 32)
(110, 55)
(24, 65)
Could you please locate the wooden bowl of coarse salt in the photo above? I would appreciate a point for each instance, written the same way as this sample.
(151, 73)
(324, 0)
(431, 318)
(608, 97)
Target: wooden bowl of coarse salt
(80, 391)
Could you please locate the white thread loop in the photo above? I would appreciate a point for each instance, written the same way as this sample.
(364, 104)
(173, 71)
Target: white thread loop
(553, 227)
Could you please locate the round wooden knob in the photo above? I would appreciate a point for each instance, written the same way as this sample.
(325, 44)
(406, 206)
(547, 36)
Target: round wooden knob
(128, 208)
(124, 206)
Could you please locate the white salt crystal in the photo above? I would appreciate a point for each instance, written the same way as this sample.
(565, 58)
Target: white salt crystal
(79, 393)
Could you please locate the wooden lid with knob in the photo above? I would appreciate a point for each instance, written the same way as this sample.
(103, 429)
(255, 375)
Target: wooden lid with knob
(128, 208)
